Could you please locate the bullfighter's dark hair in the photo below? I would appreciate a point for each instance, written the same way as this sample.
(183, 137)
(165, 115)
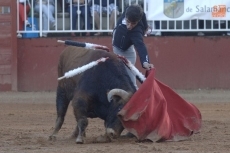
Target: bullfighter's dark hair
(134, 13)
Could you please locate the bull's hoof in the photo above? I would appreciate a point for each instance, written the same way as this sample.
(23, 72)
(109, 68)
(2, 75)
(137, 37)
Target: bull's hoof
(128, 135)
(102, 139)
(144, 141)
(79, 141)
(52, 138)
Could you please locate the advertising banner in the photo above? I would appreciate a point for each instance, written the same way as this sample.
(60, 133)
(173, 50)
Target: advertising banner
(188, 9)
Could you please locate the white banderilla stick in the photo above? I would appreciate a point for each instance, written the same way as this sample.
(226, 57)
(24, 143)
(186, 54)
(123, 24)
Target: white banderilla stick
(133, 69)
(83, 68)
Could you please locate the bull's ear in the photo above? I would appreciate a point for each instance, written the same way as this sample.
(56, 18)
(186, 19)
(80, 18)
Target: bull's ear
(125, 96)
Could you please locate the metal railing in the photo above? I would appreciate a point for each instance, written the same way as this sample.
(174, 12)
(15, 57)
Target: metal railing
(64, 19)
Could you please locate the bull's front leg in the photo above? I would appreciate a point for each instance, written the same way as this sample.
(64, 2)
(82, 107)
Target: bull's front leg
(80, 107)
(62, 103)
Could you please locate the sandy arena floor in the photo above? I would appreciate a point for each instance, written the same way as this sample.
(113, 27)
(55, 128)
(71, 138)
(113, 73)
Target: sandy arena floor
(27, 119)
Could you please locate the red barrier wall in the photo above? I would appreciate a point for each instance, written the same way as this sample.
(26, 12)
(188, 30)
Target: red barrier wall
(8, 45)
(180, 62)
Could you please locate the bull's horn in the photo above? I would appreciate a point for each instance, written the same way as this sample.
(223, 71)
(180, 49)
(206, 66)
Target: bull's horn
(119, 92)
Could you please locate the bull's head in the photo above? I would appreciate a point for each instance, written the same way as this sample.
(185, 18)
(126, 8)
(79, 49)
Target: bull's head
(118, 98)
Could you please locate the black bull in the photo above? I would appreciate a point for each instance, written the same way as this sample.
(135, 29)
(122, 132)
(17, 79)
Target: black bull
(88, 90)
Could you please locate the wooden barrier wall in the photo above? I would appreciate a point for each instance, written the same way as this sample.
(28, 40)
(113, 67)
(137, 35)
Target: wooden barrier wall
(180, 62)
(8, 45)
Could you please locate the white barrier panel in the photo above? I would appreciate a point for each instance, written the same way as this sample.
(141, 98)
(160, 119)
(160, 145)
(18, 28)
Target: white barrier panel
(188, 9)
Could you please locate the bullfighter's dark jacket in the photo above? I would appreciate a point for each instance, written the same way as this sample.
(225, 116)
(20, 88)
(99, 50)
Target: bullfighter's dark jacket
(124, 38)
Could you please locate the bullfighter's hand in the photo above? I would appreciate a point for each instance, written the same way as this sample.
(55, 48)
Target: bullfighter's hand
(148, 66)
(148, 31)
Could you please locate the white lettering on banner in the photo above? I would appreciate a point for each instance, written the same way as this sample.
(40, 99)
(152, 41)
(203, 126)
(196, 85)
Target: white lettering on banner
(188, 9)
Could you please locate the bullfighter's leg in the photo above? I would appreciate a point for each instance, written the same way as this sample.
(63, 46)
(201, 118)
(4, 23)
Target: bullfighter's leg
(80, 111)
(62, 103)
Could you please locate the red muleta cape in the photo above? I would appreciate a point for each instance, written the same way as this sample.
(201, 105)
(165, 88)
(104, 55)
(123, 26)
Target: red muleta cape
(157, 113)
